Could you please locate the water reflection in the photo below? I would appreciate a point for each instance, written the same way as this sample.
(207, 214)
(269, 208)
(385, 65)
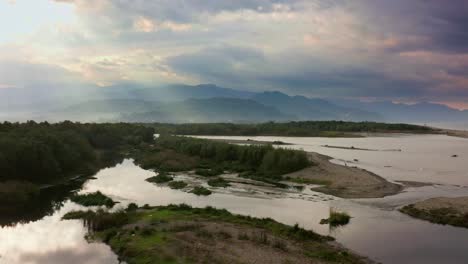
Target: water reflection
(376, 229)
(51, 240)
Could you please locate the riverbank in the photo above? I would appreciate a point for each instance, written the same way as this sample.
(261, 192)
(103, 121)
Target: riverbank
(441, 210)
(343, 181)
(175, 234)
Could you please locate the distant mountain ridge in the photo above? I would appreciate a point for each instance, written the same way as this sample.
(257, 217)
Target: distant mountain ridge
(203, 103)
(305, 108)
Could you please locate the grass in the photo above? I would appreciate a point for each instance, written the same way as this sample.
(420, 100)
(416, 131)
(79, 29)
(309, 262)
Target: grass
(156, 235)
(336, 218)
(93, 199)
(162, 177)
(218, 182)
(176, 185)
(443, 216)
(200, 190)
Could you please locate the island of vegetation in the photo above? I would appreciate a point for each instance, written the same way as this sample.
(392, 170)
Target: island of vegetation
(93, 199)
(440, 210)
(182, 234)
(336, 218)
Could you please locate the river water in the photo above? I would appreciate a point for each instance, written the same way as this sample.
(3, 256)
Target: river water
(376, 230)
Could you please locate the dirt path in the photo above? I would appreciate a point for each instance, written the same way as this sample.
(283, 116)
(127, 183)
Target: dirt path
(344, 181)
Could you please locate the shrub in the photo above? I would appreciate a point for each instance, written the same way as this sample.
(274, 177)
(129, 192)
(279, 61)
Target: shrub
(162, 177)
(177, 185)
(93, 199)
(218, 182)
(199, 190)
(336, 218)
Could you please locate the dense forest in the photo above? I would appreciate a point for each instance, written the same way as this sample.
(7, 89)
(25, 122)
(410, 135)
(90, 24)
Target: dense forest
(261, 160)
(43, 152)
(306, 128)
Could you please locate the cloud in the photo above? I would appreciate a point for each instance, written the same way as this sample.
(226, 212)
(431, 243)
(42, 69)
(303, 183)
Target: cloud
(379, 48)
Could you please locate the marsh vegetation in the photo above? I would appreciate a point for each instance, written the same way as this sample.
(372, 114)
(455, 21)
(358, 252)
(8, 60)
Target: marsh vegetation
(180, 233)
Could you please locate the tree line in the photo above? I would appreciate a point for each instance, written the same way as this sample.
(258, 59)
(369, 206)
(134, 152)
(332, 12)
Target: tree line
(43, 152)
(264, 160)
(303, 128)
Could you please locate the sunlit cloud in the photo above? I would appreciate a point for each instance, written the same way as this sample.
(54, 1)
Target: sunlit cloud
(412, 50)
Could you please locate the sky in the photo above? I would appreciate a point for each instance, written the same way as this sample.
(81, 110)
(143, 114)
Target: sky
(399, 50)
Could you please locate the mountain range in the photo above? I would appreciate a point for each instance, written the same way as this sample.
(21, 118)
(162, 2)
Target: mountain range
(203, 103)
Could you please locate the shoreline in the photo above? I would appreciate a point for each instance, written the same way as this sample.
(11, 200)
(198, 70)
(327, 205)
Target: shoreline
(181, 232)
(345, 181)
(338, 180)
(440, 210)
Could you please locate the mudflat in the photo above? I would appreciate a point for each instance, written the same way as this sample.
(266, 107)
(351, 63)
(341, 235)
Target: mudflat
(344, 181)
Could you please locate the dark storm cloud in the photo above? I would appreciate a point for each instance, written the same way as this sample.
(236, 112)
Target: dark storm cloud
(378, 48)
(437, 25)
(244, 66)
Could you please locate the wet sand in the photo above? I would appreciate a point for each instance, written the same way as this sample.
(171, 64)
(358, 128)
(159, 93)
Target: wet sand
(459, 204)
(455, 133)
(345, 181)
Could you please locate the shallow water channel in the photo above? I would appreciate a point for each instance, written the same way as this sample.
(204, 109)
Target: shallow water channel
(376, 230)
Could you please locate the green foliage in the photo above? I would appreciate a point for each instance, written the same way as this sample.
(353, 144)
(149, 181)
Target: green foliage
(265, 161)
(200, 190)
(150, 236)
(177, 185)
(305, 128)
(218, 182)
(162, 177)
(93, 199)
(43, 152)
(336, 219)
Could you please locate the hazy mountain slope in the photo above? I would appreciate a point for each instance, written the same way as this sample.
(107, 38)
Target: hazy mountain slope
(420, 112)
(210, 110)
(184, 92)
(313, 109)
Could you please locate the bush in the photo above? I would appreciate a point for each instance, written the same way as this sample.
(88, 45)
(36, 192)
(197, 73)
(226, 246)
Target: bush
(162, 177)
(336, 218)
(199, 190)
(177, 185)
(132, 207)
(93, 199)
(218, 182)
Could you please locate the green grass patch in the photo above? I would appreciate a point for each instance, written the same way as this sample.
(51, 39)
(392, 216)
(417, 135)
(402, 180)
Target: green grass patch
(150, 236)
(93, 199)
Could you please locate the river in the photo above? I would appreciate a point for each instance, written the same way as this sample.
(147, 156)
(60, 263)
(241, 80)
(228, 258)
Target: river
(376, 230)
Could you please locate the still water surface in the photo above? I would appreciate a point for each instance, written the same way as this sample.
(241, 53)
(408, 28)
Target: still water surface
(376, 230)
